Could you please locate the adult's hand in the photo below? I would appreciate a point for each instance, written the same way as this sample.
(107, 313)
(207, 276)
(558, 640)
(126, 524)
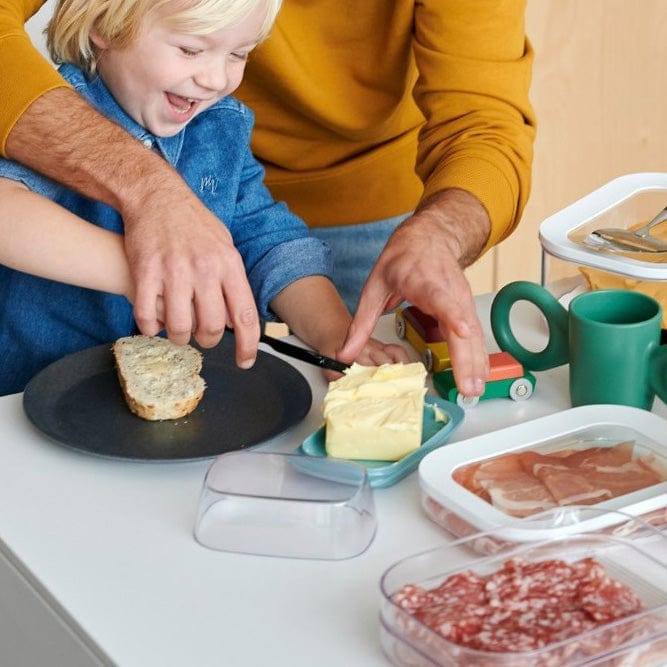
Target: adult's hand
(176, 248)
(423, 263)
(179, 251)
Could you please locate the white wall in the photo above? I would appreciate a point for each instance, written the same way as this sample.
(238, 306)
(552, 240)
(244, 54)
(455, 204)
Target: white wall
(37, 24)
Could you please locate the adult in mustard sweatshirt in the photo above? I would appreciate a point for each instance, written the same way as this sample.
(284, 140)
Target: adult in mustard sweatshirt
(365, 112)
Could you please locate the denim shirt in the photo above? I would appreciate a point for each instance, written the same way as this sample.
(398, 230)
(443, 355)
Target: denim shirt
(42, 320)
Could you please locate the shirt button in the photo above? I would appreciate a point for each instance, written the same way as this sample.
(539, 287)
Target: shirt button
(148, 143)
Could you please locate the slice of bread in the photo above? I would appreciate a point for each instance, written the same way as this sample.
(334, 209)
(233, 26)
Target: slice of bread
(160, 380)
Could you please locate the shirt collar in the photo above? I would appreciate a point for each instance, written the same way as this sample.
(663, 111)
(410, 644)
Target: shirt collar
(99, 94)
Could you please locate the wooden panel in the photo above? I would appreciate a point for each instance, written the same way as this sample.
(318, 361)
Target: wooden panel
(482, 274)
(599, 92)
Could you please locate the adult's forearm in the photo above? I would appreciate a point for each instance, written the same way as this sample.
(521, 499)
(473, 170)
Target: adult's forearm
(461, 218)
(62, 136)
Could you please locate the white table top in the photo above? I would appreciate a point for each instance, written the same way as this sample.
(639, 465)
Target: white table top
(111, 542)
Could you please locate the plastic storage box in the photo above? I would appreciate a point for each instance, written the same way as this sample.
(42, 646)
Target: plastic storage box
(572, 264)
(640, 638)
(502, 495)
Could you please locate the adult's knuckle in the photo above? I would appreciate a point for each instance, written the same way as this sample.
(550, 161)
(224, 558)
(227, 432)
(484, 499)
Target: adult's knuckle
(435, 293)
(176, 271)
(205, 264)
(248, 316)
(147, 264)
(234, 263)
(212, 324)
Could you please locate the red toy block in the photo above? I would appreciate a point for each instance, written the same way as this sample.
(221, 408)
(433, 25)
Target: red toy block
(503, 366)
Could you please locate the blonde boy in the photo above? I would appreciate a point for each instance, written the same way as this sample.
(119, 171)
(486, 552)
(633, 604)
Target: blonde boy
(164, 71)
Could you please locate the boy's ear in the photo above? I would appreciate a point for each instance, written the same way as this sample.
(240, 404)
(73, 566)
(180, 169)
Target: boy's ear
(98, 40)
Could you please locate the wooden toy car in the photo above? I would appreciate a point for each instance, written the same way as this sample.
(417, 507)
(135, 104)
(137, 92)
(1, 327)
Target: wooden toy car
(507, 378)
(422, 332)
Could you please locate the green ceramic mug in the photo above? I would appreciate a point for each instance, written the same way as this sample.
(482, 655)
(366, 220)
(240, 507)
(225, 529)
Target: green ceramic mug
(610, 337)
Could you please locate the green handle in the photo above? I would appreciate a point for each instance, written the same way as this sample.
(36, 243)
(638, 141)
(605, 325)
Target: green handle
(658, 371)
(556, 351)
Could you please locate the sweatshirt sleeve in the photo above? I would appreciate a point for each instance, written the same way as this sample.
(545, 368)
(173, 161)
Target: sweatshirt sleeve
(24, 74)
(474, 64)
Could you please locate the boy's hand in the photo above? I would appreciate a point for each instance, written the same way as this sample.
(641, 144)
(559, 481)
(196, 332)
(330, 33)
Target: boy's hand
(375, 353)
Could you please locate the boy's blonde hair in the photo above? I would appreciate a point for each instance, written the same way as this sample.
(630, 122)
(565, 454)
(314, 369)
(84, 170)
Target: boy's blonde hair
(117, 22)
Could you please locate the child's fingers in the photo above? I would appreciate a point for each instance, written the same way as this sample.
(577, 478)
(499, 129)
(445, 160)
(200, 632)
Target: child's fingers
(379, 356)
(331, 375)
(397, 353)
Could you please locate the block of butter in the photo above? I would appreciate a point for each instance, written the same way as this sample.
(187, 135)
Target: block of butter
(375, 413)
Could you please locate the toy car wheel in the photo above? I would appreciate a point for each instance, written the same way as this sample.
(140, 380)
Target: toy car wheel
(427, 359)
(466, 402)
(399, 325)
(521, 390)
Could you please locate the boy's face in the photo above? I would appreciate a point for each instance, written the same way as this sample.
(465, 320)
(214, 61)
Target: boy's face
(163, 78)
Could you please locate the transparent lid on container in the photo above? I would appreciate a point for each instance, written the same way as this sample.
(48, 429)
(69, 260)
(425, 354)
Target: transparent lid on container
(287, 505)
(611, 457)
(588, 598)
(625, 203)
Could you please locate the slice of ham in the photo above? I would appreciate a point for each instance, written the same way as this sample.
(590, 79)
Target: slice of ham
(518, 494)
(532, 461)
(569, 487)
(476, 476)
(601, 456)
(623, 479)
(466, 476)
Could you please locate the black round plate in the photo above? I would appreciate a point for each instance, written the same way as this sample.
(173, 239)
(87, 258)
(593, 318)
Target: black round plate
(78, 401)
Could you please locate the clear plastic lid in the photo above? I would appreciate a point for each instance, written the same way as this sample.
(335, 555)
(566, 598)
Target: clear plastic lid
(610, 457)
(590, 598)
(288, 505)
(625, 203)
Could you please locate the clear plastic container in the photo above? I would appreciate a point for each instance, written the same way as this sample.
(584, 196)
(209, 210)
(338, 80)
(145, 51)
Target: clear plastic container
(640, 639)
(511, 494)
(287, 505)
(572, 264)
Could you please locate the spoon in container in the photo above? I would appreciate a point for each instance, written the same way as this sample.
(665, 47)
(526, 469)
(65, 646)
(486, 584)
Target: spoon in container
(639, 240)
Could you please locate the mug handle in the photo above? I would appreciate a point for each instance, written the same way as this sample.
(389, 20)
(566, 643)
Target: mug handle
(556, 351)
(658, 371)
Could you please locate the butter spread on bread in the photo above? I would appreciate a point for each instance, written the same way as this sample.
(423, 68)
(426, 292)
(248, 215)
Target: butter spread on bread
(160, 380)
(375, 412)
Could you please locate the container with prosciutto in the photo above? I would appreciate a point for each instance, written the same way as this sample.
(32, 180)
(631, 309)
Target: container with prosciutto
(609, 457)
(589, 598)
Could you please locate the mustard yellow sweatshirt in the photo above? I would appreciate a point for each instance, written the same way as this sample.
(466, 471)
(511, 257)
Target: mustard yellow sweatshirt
(364, 107)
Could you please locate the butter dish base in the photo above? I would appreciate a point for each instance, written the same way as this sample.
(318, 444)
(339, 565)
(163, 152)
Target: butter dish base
(381, 474)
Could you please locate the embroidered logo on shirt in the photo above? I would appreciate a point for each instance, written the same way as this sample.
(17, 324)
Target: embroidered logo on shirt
(208, 184)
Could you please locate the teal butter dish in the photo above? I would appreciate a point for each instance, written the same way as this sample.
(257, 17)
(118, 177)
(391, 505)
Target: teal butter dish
(435, 433)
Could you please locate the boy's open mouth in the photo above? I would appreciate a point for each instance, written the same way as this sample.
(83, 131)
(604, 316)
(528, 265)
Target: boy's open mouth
(182, 105)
